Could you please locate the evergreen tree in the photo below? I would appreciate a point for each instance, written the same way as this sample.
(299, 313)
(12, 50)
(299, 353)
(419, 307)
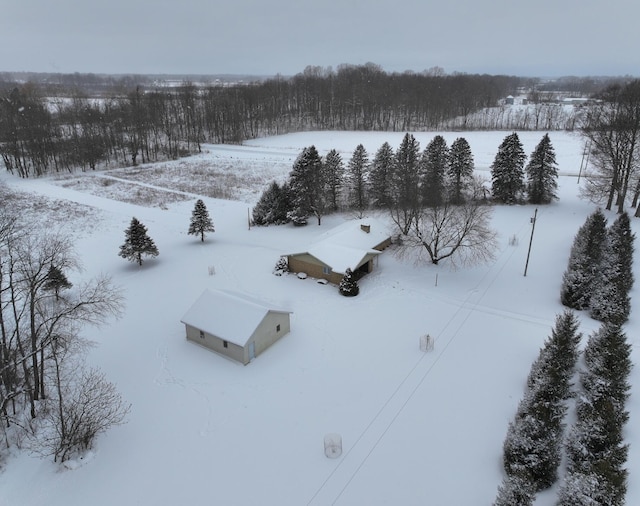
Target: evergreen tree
(333, 178)
(621, 239)
(56, 281)
(515, 491)
(532, 448)
(610, 301)
(585, 260)
(595, 447)
(264, 206)
(381, 172)
(359, 179)
(200, 220)
(434, 166)
(405, 202)
(460, 174)
(580, 489)
(507, 170)
(349, 285)
(306, 185)
(542, 173)
(273, 205)
(137, 243)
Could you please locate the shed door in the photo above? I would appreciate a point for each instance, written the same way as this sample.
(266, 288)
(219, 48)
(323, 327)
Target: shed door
(252, 350)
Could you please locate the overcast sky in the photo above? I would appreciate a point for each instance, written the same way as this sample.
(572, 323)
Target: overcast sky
(267, 37)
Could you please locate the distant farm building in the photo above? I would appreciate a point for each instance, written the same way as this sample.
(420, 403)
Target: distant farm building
(235, 325)
(355, 244)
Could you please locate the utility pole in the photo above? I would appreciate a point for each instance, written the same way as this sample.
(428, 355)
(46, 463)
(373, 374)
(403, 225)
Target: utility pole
(533, 227)
(585, 159)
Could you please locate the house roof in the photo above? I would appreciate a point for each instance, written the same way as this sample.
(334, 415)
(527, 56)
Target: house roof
(228, 315)
(348, 245)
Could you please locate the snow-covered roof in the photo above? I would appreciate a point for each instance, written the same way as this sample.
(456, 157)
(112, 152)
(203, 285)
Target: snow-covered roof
(228, 315)
(347, 245)
(339, 258)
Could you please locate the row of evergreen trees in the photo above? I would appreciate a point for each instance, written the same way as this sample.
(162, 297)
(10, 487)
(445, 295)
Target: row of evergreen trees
(508, 172)
(405, 180)
(599, 274)
(595, 449)
(594, 446)
(533, 446)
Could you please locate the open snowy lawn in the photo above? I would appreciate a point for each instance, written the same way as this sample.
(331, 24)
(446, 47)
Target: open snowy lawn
(417, 428)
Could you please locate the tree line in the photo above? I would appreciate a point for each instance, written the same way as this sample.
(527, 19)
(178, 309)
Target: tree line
(48, 398)
(611, 130)
(598, 278)
(38, 136)
(593, 446)
(432, 196)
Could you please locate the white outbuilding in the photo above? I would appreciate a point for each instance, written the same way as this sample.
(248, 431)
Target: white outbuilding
(235, 325)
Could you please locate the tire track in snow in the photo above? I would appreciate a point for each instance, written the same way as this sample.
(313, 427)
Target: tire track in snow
(352, 461)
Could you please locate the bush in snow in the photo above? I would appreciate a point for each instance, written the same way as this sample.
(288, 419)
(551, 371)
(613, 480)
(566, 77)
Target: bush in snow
(281, 267)
(349, 285)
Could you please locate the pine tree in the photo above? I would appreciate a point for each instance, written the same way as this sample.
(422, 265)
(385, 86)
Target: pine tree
(580, 489)
(137, 243)
(460, 174)
(306, 187)
(434, 166)
(381, 172)
(532, 448)
(595, 448)
(507, 170)
(56, 281)
(333, 178)
(585, 260)
(515, 491)
(200, 220)
(405, 203)
(621, 239)
(610, 301)
(272, 206)
(349, 285)
(358, 179)
(542, 173)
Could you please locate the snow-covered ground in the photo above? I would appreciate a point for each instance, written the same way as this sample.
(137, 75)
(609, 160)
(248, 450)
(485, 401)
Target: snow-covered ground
(417, 428)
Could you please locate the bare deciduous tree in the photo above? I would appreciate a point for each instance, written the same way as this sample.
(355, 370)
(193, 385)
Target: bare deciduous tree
(460, 234)
(87, 407)
(612, 130)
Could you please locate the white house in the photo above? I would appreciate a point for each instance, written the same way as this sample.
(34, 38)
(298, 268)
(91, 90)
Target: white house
(235, 325)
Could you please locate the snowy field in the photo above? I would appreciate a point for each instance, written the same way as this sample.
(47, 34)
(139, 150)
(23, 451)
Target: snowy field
(417, 428)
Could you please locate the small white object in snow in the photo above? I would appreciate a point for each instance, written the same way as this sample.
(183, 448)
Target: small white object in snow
(302, 275)
(322, 281)
(333, 445)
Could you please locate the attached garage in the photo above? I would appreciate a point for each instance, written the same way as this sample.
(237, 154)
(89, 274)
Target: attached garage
(355, 244)
(234, 325)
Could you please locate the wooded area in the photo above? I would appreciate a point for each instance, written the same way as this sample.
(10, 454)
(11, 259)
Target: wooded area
(126, 126)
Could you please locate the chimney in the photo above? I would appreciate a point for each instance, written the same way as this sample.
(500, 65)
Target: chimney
(365, 228)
